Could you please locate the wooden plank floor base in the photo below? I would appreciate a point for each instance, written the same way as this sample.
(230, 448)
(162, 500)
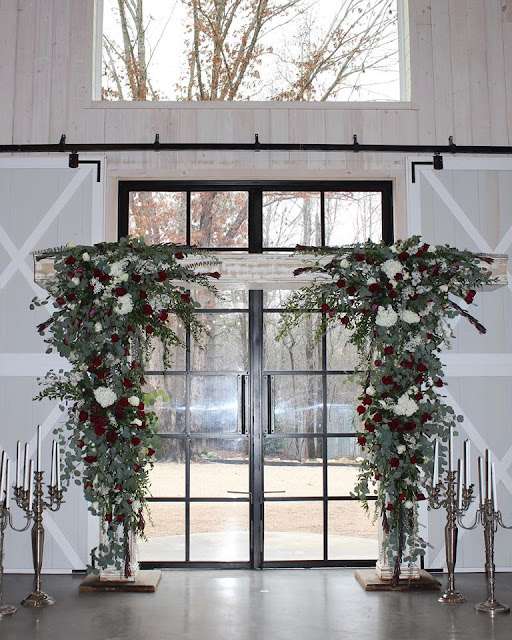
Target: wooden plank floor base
(145, 582)
(370, 581)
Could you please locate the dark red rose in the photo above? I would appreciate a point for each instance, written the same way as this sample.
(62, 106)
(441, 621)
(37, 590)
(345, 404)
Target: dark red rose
(83, 415)
(127, 383)
(420, 380)
(403, 256)
(388, 350)
(96, 362)
(399, 276)
(81, 444)
(143, 294)
(401, 496)
(88, 485)
(141, 427)
(361, 440)
(136, 277)
(108, 517)
(341, 283)
(389, 506)
(119, 486)
(149, 329)
(384, 395)
(120, 517)
(345, 320)
(393, 294)
(214, 274)
(394, 462)
(378, 476)
(435, 270)
(351, 290)
(359, 257)
(429, 336)
(414, 460)
(470, 296)
(422, 268)
(325, 307)
(120, 291)
(377, 417)
(185, 297)
(60, 301)
(425, 418)
(70, 297)
(369, 427)
(112, 436)
(151, 452)
(141, 406)
(115, 337)
(70, 260)
(147, 309)
(387, 380)
(360, 409)
(135, 441)
(422, 368)
(410, 426)
(367, 400)
(374, 288)
(123, 402)
(439, 382)
(179, 255)
(99, 431)
(162, 276)
(420, 496)
(377, 363)
(418, 396)
(136, 468)
(90, 459)
(163, 315)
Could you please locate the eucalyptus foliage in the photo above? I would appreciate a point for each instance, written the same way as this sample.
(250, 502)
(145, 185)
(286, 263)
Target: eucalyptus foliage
(110, 302)
(395, 303)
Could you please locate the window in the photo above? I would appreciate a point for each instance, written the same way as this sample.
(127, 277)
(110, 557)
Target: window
(292, 50)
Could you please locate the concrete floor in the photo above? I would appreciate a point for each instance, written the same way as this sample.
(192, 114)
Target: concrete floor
(314, 604)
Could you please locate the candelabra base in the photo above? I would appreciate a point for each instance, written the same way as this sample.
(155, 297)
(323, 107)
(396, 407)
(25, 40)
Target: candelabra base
(7, 610)
(38, 599)
(492, 607)
(452, 597)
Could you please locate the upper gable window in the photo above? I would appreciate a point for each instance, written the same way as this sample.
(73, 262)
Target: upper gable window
(250, 50)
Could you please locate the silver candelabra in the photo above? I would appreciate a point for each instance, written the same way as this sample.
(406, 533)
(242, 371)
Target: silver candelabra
(6, 519)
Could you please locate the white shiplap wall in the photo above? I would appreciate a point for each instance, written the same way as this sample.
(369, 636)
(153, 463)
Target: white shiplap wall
(461, 84)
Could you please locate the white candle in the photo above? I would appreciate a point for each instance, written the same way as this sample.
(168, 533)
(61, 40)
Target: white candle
(57, 466)
(487, 475)
(2, 476)
(52, 466)
(18, 460)
(436, 462)
(494, 492)
(467, 464)
(459, 485)
(26, 476)
(7, 473)
(30, 486)
(450, 450)
(480, 480)
(38, 449)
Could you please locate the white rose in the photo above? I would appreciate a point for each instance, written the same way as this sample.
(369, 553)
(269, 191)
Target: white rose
(432, 249)
(105, 397)
(71, 306)
(98, 327)
(137, 421)
(75, 281)
(370, 391)
(408, 504)
(344, 264)
(443, 288)
(400, 449)
(410, 317)
(134, 401)
(371, 281)
(86, 257)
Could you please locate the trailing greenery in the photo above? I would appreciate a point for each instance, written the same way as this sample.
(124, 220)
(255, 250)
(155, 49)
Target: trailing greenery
(395, 303)
(110, 302)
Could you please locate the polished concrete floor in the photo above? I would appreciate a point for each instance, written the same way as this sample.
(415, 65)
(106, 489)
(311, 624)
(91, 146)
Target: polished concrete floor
(312, 604)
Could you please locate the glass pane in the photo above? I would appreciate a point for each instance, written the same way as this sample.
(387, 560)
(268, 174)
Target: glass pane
(219, 532)
(297, 350)
(352, 216)
(219, 219)
(214, 404)
(158, 216)
(297, 404)
(276, 298)
(341, 355)
(352, 532)
(165, 529)
(293, 466)
(170, 409)
(293, 531)
(225, 348)
(218, 466)
(167, 478)
(223, 299)
(342, 394)
(176, 354)
(344, 456)
(291, 218)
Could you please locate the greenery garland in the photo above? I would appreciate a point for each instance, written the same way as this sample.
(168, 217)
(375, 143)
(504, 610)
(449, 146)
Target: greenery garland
(394, 302)
(111, 301)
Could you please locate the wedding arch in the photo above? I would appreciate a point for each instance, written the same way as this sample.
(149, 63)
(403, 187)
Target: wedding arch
(395, 302)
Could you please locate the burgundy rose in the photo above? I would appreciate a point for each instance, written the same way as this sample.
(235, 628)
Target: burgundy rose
(185, 297)
(70, 260)
(147, 309)
(387, 380)
(70, 297)
(359, 257)
(136, 468)
(369, 427)
(422, 268)
(120, 291)
(90, 459)
(112, 436)
(81, 444)
(377, 417)
(378, 476)
(162, 276)
(367, 400)
(123, 402)
(136, 277)
(410, 426)
(341, 283)
(135, 441)
(394, 462)
(83, 415)
(388, 350)
(439, 382)
(361, 440)
(99, 430)
(398, 276)
(435, 270)
(120, 517)
(393, 294)
(403, 256)
(60, 301)
(151, 452)
(108, 517)
(119, 486)
(422, 368)
(143, 294)
(149, 329)
(401, 496)
(127, 383)
(179, 255)
(389, 507)
(470, 296)
(377, 363)
(360, 409)
(351, 290)
(374, 288)
(425, 418)
(141, 406)
(163, 315)
(88, 485)
(420, 496)
(345, 320)
(414, 460)
(325, 307)
(115, 337)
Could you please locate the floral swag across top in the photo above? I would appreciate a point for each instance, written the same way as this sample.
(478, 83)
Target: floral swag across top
(110, 301)
(395, 303)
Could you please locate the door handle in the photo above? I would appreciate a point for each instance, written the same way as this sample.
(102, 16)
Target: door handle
(270, 404)
(242, 403)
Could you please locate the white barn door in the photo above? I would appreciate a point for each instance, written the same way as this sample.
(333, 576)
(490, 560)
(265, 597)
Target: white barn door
(469, 205)
(43, 203)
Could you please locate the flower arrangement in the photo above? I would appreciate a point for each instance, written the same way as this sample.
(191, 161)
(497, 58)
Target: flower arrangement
(110, 302)
(394, 302)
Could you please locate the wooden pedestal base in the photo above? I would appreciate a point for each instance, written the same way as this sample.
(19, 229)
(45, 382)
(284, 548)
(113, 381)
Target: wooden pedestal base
(145, 582)
(370, 581)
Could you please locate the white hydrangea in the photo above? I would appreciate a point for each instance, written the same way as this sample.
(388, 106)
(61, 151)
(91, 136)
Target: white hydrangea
(105, 396)
(410, 316)
(386, 316)
(134, 401)
(96, 285)
(405, 406)
(117, 269)
(401, 449)
(124, 304)
(391, 268)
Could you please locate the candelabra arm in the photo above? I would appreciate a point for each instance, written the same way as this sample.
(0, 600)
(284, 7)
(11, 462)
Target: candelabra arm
(470, 527)
(28, 517)
(500, 521)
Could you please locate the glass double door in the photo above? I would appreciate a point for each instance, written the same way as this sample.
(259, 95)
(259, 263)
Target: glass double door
(258, 453)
